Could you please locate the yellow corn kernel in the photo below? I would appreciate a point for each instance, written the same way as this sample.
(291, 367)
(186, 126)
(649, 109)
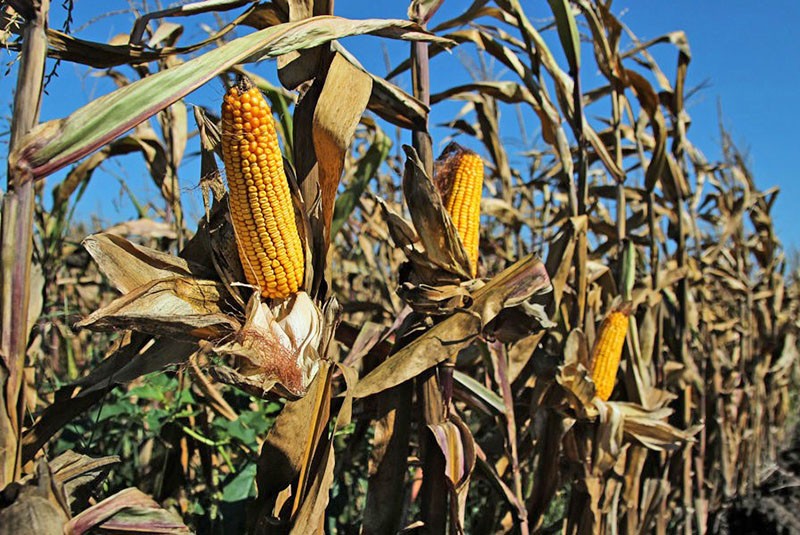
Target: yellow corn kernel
(607, 352)
(261, 203)
(460, 180)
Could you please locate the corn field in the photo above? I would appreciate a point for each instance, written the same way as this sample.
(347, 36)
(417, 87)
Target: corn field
(378, 323)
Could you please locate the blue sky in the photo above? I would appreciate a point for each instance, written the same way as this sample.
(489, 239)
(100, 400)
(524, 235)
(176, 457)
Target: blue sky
(750, 54)
(744, 50)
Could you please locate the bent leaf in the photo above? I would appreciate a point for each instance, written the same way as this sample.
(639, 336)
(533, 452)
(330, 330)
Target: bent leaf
(55, 144)
(520, 281)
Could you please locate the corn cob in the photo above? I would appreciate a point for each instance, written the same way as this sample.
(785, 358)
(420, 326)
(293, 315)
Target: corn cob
(460, 180)
(261, 203)
(607, 351)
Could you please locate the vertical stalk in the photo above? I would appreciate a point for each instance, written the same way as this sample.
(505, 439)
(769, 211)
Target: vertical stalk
(581, 270)
(661, 523)
(746, 348)
(421, 82)
(434, 493)
(702, 402)
(394, 419)
(386, 485)
(683, 329)
(16, 240)
(622, 210)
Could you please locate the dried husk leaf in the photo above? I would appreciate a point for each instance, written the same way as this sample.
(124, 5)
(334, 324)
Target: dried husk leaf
(432, 222)
(343, 99)
(608, 445)
(650, 429)
(287, 452)
(575, 379)
(277, 347)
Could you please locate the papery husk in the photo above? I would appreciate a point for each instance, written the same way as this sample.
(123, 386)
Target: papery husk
(647, 427)
(277, 349)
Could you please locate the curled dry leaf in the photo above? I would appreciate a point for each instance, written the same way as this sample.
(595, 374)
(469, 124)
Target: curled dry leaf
(79, 473)
(647, 427)
(650, 428)
(387, 100)
(41, 502)
(608, 443)
(401, 230)
(129, 266)
(520, 302)
(514, 321)
(180, 306)
(458, 447)
(578, 388)
(128, 511)
(435, 300)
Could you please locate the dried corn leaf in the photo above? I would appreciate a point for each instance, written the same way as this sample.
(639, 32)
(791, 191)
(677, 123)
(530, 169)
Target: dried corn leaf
(128, 511)
(435, 300)
(310, 516)
(129, 266)
(458, 447)
(580, 392)
(182, 307)
(133, 358)
(387, 460)
(567, 33)
(517, 283)
(401, 230)
(37, 506)
(288, 451)
(559, 257)
(79, 474)
(608, 445)
(343, 99)
(650, 429)
(421, 11)
(432, 222)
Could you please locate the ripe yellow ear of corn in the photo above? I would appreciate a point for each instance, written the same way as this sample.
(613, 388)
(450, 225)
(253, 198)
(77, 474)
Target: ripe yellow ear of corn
(459, 176)
(607, 352)
(261, 203)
